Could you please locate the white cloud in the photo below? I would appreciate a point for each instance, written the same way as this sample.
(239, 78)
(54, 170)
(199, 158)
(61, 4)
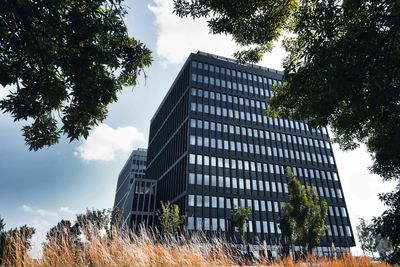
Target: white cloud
(177, 37)
(45, 213)
(26, 208)
(67, 210)
(41, 212)
(105, 142)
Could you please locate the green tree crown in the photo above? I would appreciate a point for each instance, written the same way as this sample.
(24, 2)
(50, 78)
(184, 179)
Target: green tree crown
(68, 60)
(303, 215)
(170, 218)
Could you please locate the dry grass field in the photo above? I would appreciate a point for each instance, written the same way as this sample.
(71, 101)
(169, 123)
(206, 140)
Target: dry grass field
(146, 249)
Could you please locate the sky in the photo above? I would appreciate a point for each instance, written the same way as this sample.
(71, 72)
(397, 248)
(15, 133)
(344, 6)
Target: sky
(41, 188)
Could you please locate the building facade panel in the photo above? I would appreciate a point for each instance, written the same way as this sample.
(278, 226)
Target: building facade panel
(135, 196)
(215, 149)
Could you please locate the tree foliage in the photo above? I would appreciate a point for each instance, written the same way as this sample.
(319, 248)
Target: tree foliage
(388, 224)
(253, 22)
(367, 236)
(64, 231)
(343, 70)
(170, 218)
(303, 215)
(240, 217)
(93, 221)
(342, 67)
(116, 217)
(67, 61)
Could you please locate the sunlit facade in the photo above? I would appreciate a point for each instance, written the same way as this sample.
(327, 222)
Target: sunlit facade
(212, 149)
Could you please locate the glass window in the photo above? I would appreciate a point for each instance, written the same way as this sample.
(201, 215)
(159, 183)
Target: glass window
(276, 206)
(220, 181)
(191, 200)
(193, 123)
(199, 201)
(214, 224)
(192, 178)
(190, 223)
(213, 180)
(192, 140)
(273, 185)
(228, 203)
(199, 160)
(241, 183)
(207, 224)
(227, 182)
(199, 223)
(206, 179)
(206, 201)
(199, 179)
(222, 224)
(214, 202)
(234, 182)
(272, 227)
(221, 202)
(348, 232)
(192, 159)
(269, 205)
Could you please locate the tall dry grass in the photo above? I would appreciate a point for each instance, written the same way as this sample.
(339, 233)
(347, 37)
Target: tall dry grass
(149, 249)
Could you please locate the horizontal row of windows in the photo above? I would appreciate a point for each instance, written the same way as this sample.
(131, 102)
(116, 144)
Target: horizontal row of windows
(215, 224)
(255, 185)
(251, 103)
(239, 116)
(255, 204)
(139, 162)
(281, 153)
(233, 182)
(257, 133)
(233, 73)
(260, 167)
(246, 102)
(239, 85)
(136, 167)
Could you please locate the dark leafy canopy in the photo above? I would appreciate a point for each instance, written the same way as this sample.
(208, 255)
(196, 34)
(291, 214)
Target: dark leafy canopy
(342, 67)
(68, 58)
(343, 70)
(251, 22)
(303, 215)
(388, 224)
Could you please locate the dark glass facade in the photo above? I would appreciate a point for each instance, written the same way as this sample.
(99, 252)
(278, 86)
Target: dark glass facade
(135, 195)
(212, 149)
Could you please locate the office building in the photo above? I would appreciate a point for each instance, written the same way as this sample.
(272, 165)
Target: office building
(135, 195)
(212, 149)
